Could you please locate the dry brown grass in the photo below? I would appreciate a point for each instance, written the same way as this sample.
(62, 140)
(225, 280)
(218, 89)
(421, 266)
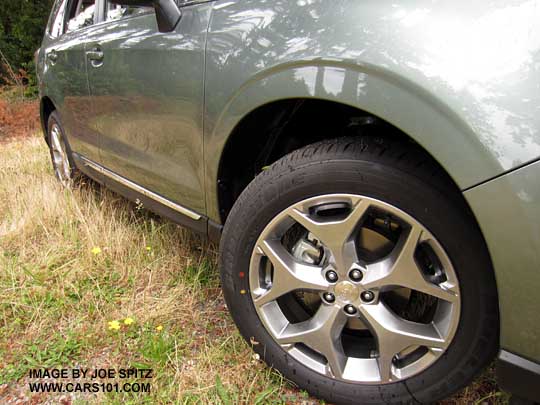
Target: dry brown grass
(58, 293)
(57, 296)
(17, 118)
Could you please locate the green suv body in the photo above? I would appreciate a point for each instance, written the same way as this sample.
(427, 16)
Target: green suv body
(195, 114)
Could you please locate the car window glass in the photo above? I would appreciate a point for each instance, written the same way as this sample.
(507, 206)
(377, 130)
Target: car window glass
(56, 25)
(116, 12)
(81, 14)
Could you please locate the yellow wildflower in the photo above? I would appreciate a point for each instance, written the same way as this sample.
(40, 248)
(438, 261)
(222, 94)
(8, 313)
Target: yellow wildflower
(159, 328)
(114, 325)
(149, 248)
(96, 250)
(128, 321)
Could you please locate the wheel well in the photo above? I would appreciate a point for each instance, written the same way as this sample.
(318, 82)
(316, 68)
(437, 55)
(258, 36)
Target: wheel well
(276, 129)
(46, 109)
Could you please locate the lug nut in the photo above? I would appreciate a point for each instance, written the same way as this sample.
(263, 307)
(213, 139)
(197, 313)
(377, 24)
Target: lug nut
(356, 275)
(350, 309)
(367, 296)
(329, 297)
(331, 276)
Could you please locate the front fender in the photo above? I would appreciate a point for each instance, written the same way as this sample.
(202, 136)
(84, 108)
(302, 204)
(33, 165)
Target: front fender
(394, 99)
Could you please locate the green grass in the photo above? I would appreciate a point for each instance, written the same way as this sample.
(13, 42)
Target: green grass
(58, 293)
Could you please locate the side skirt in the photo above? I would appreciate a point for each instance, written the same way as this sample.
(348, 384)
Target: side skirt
(150, 200)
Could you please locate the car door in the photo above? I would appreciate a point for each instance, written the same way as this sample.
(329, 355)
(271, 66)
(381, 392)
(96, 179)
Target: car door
(147, 92)
(65, 72)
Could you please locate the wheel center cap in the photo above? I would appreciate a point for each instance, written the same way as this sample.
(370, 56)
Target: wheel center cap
(347, 291)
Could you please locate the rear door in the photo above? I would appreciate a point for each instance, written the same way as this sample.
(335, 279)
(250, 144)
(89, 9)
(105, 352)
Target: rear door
(147, 92)
(65, 72)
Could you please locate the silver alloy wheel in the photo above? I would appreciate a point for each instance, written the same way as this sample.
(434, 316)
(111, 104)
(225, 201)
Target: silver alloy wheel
(318, 342)
(61, 164)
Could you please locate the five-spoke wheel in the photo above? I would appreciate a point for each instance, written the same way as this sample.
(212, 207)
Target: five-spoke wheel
(357, 291)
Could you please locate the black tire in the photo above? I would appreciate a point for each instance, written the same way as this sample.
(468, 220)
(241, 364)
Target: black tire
(404, 176)
(54, 118)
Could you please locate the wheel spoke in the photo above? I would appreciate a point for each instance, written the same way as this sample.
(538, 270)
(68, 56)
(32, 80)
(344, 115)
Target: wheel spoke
(289, 275)
(395, 334)
(321, 333)
(60, 159)
(400, 269)
(65, 166)
(57, 159)
(335, 235)
(55, 138)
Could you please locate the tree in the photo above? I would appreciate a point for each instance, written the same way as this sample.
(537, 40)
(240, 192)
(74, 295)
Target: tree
(22, 24)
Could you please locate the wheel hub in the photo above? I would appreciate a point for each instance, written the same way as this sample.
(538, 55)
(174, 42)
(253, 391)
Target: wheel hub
(346, 291)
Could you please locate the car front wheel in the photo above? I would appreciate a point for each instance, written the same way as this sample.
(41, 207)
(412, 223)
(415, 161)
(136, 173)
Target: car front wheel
(356, 269)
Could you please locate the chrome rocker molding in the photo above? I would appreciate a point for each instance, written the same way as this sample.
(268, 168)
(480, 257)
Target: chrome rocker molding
(139, 189)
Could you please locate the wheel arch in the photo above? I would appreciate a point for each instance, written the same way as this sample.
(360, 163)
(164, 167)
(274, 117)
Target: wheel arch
(402, 106)
(46, 108)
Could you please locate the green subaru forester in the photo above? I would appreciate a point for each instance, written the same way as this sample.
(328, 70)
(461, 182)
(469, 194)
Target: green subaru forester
(371, 170)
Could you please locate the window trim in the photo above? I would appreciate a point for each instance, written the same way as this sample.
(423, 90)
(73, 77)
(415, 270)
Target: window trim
(54, 12)
(52, 17)
(65, 21)
(192, 2)
(180, 6)
(69, 4)
(106, 10)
